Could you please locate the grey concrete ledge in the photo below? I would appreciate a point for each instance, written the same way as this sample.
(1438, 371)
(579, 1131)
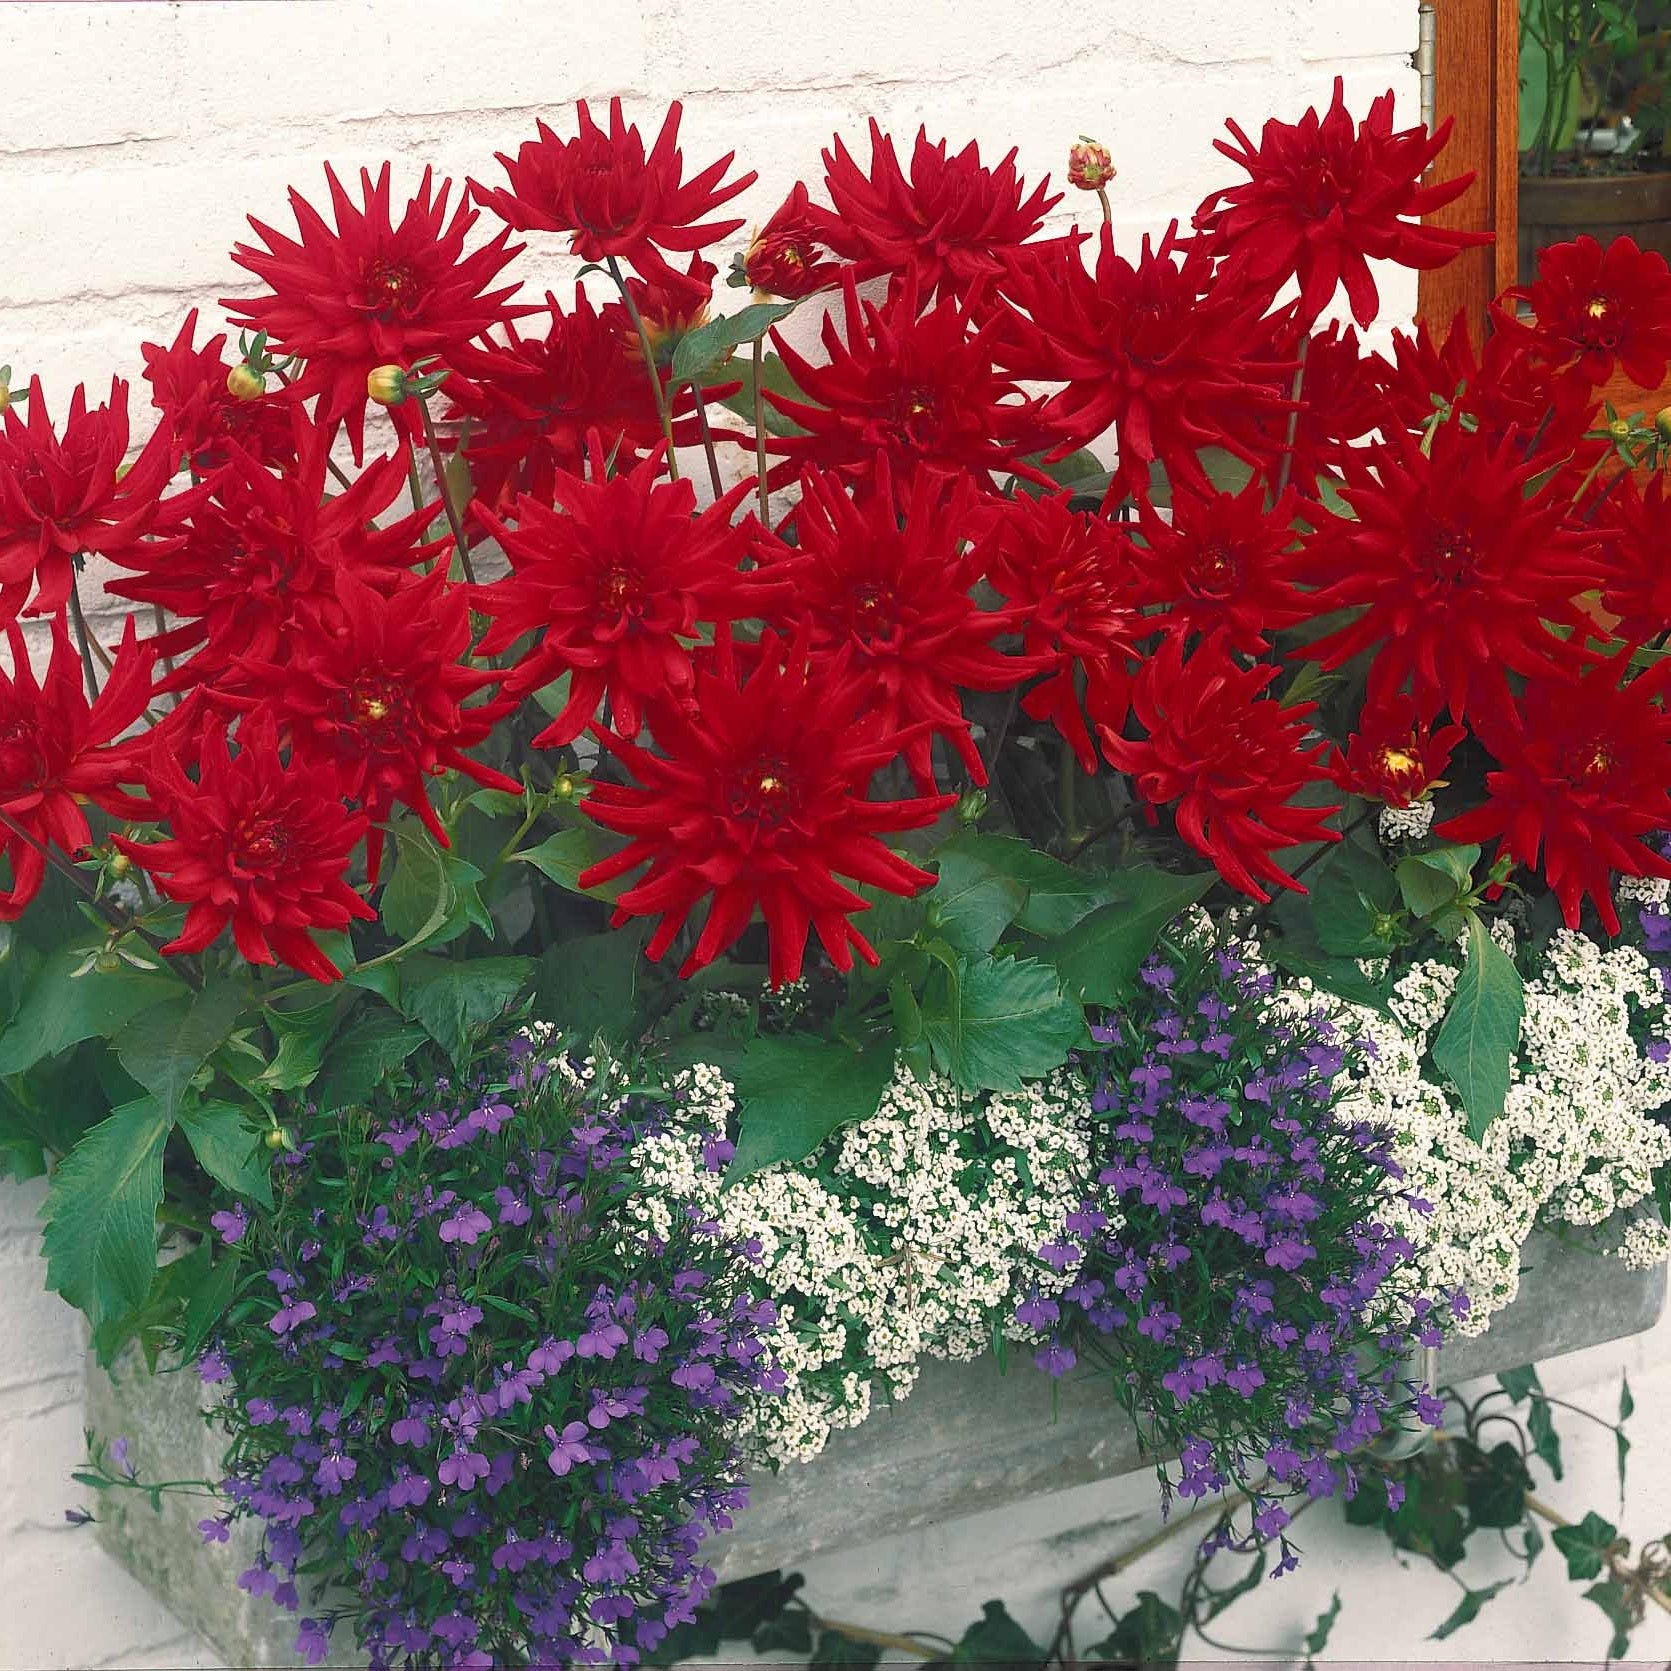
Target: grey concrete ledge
(969, 1438)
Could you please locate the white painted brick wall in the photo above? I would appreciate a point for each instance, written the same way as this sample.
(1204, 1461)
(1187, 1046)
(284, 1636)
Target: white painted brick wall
(135, 137)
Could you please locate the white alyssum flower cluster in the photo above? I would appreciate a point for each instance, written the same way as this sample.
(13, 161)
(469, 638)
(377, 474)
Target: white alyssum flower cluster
(911, 1234)
(1576, 1144)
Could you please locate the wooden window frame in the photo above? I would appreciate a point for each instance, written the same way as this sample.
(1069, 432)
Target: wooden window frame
(1476, 80)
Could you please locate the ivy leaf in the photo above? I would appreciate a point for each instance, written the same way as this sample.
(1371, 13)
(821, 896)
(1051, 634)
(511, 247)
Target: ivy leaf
(1496, 1494)
(100, 1239)
(996, 1639)
(1099, 957)
(971, 905)
(228, 1149)
(363, 1055)
(1150, 1634)
(450, 1000)
(1612, 1599)
(1520, 1383)
(1546, 1442)
(1627, 1404)
(789, 1633)
(996, 1023)
(701, 353)
(835, 1651)
(1317, 1638)
(163, 1047)
(560, 858)
(1476, 1041)
(1058, 895)
(794, 1091)
(1468, 1609)
(1586, 1545)
(61, 1008)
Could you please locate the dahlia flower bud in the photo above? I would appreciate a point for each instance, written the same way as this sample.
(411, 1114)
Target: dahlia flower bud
(1662, 423)
(5, 387)
(387, 385)
(1619, 429)
(244, 382)
(972, 808)
(1089, 165)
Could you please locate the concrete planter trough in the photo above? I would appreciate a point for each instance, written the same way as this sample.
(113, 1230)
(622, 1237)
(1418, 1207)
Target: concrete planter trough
(968, 1439)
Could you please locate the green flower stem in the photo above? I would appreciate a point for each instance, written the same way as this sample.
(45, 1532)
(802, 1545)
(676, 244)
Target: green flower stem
(760, 432)
(438, 464)
(663, 410)
(1287, 468)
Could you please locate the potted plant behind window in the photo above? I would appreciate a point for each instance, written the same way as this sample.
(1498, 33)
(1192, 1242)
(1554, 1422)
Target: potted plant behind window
(1595, 85)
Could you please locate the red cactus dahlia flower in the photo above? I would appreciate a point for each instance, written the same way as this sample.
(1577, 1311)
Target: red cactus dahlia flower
(1230, 761)
(262, 554)
(62, 495)
(1597, 308)
(891, 602)
(384, 701)
(1072, 580)
(188, 386)
(530, 403)
(1153, 350)
(917, 387)
(1222, 562)
(1584, 774)
(1324, 198)
(786, 257)
(758, 800)
(1453, 567)
(1396, 755)
(58, 751)
(614, 584)
(613, 198)
(1633, 527)
(950, 224)
(370, 291)
(257, 843)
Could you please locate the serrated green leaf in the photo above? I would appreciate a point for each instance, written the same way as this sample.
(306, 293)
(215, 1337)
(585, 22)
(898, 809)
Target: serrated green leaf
(163, 1047)
(61, 1008)
(1350, 890)
(1339, 975)
(996, 1023)
(1058, 895)
(100, 1239)
(208, 1302)
(302, 1037)
(561, 858)
(794, 1091)
(1099, 957)
(775, 379)
(971, 905)
(1431, 881)
(700, 353)
(228, 1148)
(450, 1000)
(1475, 1044)
(588, 984)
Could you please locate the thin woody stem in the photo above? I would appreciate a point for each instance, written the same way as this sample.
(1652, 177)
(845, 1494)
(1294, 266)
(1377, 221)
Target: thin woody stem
(707, 439)
(663, 411)
(439, 466)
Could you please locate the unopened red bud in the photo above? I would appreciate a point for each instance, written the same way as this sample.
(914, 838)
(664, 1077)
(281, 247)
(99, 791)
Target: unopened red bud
(243, 382)
(1089, 165)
